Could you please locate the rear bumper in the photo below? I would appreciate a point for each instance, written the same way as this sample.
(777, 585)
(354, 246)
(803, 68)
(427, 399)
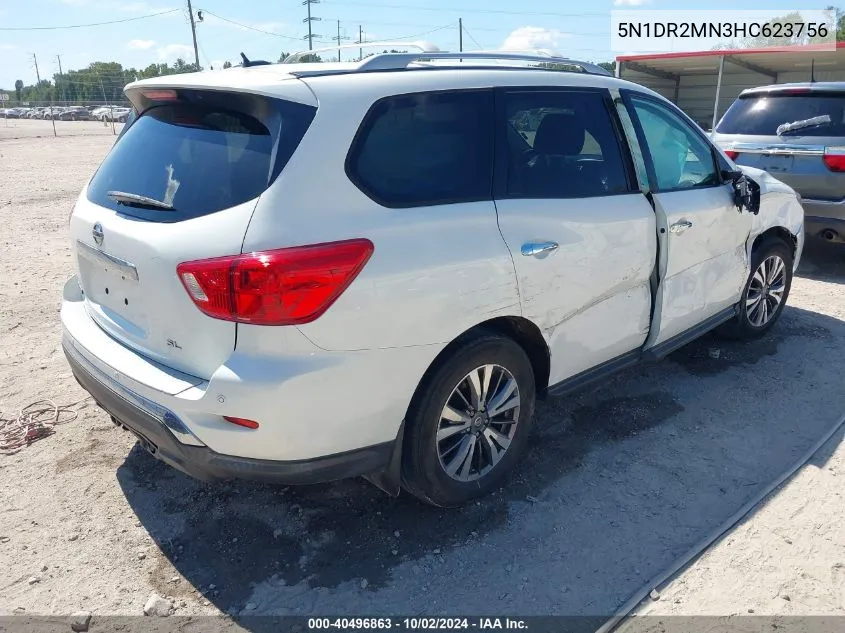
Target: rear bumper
(158, 428)
(815, 226)
(820, 215)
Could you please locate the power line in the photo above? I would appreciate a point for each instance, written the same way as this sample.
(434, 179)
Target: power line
(410, 37)
(475, 41)
(247, 26)
(484, 11)
(81, 26)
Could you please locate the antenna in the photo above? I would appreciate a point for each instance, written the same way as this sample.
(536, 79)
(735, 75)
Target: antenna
(252, 62)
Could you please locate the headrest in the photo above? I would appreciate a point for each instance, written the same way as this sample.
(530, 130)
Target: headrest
(560, 133)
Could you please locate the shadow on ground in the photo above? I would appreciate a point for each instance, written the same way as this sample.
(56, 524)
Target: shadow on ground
(823, 261)
(619, 481)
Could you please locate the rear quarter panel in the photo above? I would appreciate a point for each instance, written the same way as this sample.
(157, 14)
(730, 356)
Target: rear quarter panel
(435, 272)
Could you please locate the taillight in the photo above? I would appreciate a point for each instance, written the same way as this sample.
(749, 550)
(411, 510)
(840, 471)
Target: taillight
(834, 158)
(288, 286)
(731, 153)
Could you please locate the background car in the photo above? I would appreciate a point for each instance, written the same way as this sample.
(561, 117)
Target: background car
(796, 132)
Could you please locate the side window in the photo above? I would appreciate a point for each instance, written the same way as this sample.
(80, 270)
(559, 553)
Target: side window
(680, 157)
(561, 145)
(425, 149)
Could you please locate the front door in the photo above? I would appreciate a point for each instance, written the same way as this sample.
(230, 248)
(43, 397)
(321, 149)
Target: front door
(701, 233)
(580, 232)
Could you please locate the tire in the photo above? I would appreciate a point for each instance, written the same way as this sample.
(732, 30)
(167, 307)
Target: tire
(425, 460)
(746, 326)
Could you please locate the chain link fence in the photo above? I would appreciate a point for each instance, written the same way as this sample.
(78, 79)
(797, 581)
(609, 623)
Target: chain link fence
(62, 118)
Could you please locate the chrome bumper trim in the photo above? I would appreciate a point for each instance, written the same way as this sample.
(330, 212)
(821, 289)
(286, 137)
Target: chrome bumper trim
(162, 414)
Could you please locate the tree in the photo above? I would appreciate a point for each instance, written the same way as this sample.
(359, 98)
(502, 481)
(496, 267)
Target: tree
(840, 22)
(227, 64)
(18, 89)
(609, 66)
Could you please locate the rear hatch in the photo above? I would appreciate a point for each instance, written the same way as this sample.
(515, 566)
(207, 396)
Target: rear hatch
(180, 184)
(795, 134)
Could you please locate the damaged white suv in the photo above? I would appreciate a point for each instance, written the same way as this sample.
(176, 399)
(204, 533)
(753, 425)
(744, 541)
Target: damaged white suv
(304, 272)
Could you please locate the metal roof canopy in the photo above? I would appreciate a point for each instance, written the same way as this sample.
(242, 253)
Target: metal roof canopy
(733, 70)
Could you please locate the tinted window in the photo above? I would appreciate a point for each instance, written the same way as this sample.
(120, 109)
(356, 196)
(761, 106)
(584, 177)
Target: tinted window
(763, 114)
(561, 145)
(198, 158)
(427, 148)
(681, 158)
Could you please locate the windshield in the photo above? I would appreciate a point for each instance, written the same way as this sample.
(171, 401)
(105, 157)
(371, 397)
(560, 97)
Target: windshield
(805, 114)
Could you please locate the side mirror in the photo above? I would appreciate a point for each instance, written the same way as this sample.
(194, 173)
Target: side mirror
(746, 191)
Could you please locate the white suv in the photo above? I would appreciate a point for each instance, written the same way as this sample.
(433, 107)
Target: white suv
(302, 272)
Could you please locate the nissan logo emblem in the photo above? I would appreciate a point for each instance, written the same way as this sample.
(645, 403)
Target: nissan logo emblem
(97, 232)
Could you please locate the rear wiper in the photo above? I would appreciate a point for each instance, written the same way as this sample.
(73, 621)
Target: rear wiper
(136, 200)
(783, 128)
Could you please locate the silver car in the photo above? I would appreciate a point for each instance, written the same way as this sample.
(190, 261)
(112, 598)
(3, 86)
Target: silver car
(796, 132)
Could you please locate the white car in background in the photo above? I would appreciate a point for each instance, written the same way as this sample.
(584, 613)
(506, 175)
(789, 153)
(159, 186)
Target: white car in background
(304, 272)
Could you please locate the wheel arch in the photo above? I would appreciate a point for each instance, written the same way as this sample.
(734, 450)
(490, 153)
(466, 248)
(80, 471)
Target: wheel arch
(525, 333)
(780, 232)
(522, 331)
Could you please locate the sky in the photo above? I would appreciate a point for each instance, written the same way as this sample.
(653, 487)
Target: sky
(264, 28)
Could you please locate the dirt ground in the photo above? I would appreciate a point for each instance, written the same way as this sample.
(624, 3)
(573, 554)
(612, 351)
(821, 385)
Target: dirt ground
(36, 128)
(620, 481)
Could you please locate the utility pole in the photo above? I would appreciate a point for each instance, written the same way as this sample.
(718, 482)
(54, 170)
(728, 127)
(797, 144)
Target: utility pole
(35, 59)
(461, 35)
(194, 34)
(310, 37)
(59, 59)
(339, 38)
(360, 41)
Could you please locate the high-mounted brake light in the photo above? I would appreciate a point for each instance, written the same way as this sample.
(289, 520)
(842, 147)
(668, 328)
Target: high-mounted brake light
(731, 153)
(288, 286)
(160, 95)
(834, 158)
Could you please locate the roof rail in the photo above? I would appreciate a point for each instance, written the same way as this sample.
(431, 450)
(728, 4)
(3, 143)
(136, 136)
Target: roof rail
(396, 61)
(424, 47)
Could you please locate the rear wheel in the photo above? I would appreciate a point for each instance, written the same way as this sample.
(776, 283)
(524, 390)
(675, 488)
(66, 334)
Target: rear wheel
(469, 422)
(765, 292)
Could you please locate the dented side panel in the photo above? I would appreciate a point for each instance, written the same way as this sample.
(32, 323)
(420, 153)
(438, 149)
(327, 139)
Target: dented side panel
(591, 296)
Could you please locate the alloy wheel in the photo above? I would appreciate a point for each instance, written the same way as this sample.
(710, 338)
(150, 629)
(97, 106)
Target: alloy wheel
(478, 422)
(765, 292)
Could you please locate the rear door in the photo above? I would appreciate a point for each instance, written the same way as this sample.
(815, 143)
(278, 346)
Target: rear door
(702, 235)
(199, 160)
(581, 234)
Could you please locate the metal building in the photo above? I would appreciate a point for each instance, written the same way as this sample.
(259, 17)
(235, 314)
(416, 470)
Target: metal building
(704, 84)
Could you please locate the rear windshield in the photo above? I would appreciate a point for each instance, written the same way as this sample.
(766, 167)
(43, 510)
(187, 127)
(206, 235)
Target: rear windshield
(818, 114)
(199, 158)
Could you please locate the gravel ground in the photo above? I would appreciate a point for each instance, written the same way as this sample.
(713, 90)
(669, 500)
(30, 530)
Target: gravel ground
(620, 480)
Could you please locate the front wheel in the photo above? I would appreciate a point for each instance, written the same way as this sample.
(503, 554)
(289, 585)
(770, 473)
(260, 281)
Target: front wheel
(469, 423)
(765, 292)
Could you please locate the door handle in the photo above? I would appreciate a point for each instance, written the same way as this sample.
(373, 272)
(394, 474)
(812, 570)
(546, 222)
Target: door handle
(680, 227)
(535, 248)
